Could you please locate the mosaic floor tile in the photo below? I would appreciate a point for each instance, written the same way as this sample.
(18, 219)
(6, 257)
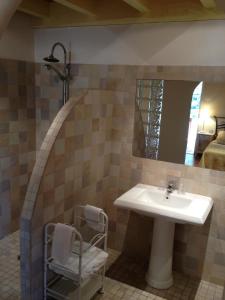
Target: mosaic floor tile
(10, 267)
(131, 273)
(114, 290)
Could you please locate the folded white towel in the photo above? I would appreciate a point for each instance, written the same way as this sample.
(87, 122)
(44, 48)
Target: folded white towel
(94, 217)
(62, 243)
(92, 261)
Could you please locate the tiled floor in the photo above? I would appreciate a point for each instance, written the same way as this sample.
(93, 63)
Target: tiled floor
(127, 276)
(114, 289)
(9, 267)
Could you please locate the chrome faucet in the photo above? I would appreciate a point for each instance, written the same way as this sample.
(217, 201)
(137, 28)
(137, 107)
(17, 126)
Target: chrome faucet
(170, 188)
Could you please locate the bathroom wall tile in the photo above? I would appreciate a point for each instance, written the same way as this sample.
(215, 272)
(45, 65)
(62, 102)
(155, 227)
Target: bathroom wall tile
(17, 136)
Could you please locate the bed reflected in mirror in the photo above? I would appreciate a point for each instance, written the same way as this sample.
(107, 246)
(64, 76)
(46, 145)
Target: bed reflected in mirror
(180, 121)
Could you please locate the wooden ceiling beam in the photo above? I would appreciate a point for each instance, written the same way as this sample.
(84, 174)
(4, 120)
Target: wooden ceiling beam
(105, 12)
(85, 7)
(35, 8)
(63, 17)
(220, 4)
(141, 6)
(208, 3)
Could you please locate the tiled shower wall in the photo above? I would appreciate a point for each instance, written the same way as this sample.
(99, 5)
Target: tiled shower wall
(199, 251)
(49, 100)
(77, 171)
(17, 139)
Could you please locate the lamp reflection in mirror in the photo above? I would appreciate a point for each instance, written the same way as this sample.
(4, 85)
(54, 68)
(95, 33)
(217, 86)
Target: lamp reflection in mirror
(206, 122)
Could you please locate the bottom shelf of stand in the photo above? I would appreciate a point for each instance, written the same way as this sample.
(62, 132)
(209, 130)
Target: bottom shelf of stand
(66, 289)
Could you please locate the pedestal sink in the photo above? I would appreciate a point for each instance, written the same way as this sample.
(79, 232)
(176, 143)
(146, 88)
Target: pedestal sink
(178, 208)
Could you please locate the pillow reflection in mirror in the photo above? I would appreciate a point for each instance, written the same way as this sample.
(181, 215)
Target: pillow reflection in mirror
(221, 137)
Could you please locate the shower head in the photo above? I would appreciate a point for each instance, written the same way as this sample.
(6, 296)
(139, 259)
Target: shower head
(51, 58)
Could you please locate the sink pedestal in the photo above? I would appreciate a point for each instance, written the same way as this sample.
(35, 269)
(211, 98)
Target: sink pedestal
(159, 274)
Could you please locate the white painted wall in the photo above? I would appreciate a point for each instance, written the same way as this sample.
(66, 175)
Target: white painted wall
(196, 43)
(17, 42)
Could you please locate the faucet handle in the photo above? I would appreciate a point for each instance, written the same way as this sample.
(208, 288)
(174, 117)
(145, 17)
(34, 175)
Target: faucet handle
(173, 182)
(171, 185)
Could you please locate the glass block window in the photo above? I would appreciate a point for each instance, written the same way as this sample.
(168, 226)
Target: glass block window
(149, 100)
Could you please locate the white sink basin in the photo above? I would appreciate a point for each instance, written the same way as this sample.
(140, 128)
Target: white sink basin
(178, 208)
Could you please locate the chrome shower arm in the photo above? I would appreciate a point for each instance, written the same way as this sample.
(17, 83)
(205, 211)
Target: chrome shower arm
(58, 44)
(63, 75)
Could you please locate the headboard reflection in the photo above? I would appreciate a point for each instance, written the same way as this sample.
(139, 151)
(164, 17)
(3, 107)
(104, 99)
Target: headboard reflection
(220, 124)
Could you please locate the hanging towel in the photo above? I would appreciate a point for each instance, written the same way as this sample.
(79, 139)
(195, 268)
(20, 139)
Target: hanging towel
(94, 217)
(62, 243)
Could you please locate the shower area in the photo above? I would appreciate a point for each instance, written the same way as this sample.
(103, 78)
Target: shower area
(31, 102)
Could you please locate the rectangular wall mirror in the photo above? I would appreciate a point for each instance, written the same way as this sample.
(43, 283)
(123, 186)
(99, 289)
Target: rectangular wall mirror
(180, 121)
